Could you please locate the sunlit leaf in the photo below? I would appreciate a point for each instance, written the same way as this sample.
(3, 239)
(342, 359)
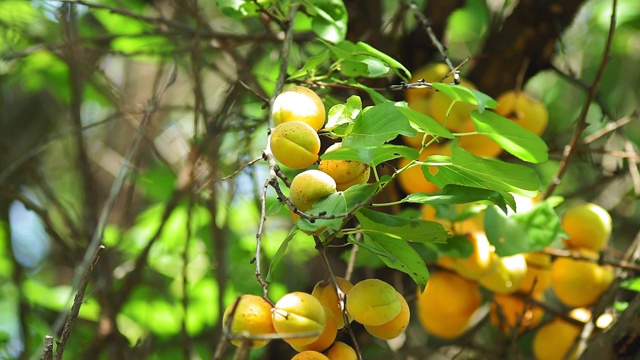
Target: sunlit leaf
(416, 230)
(311, 65)
(458, 194)
(464, 94)
(377, 125)
(424, 122)
(397, 67)
(372, 155)
(510, 136)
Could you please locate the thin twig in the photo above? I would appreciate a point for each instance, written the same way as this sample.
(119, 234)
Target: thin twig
(611, 127)
(581, 124)
(47, 353)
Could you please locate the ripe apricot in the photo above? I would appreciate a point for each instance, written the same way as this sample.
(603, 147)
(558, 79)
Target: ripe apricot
(252, 316)
(588, 226)
(298, 313)
(325, 292)
(507, 275)
(447, 304)
(538, 272)
(553, 340)
(309, 355)
(580, 282)
(346, 173)
(373, 302)
(393, 328)
(412, 179)
(299, 104)
(341, 351)
(478, 144)
(480, 261)
(453, 117)
(508, 310)
(295, 144)
(327, 337)
(310, 186)
(523, 110)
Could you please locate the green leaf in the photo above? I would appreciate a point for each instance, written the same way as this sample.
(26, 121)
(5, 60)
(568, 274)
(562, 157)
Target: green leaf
(338, 203)
(523, 232)
(405, 258)
(466, 169)
(512, 137)
(281, 251)
(397, 67)
(632, 284)
(464, 94)
(346, 113)
(329, 20)
(238, 9)
(311, 65)
(424, 122)
(366, 67)
(375, 96)
(377, 125)
(157, 183)
(416, 230)
(372, 155)
(457, 247)
(458, 194)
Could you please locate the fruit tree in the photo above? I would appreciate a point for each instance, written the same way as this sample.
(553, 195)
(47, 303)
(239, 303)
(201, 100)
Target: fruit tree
(319, 179)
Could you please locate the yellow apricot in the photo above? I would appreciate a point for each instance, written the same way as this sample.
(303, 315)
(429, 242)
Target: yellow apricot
(507, 275)
(580, 282)
(327, 337)
(553, 340)
(478, 144)
(523, 110)
(252, 316)
(453, 117)
(298, 313)
(309, 355)
(295, 144)
(508, 310)
(588, 226)
(447, 304)
(299, 104)
(538, 272)
(341, 351)
(393, 328)
(412, 179)
(373, 302)
(346, 173)
(325, 292)
(480, 261)
(310, 186)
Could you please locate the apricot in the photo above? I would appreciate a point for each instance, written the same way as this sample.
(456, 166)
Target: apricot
(480, 261)
(538, 272)
(299, 313)
(295, 144)
(507, 275)
(327, 337)
(373, 302)
(507, 311)
(580, 282)
(393, 328)
(299, 104)
(346, 173)
(588, 226)
(453, 117)
(434, 72)
(325, 291)
(310, 186)
(523, 110)
(341, 351)
(478, 144)
(412, 179)
(447, 303)
(310, 355)
(554, 339)
(252, 316)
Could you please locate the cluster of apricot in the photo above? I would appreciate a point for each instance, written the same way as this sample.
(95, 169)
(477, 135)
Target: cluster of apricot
(518, 283)
(298, 115)
(310, 322)
(456, 116)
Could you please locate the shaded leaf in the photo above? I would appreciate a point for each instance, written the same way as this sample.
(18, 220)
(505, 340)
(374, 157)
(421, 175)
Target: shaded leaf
(311, 65)
(464, 94)
(425, 123)
(281, 251)
(407, 229)
(372, 155)
(397, 67)
(458, 194)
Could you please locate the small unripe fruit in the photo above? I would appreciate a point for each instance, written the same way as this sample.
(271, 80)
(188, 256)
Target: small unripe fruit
(298, 313)
(295, 144)
(310, 186)
(346, 173)
(373, 302)
(252, 316)
(325, 291)
(395, 327)
(588, 226)
(299, 104)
